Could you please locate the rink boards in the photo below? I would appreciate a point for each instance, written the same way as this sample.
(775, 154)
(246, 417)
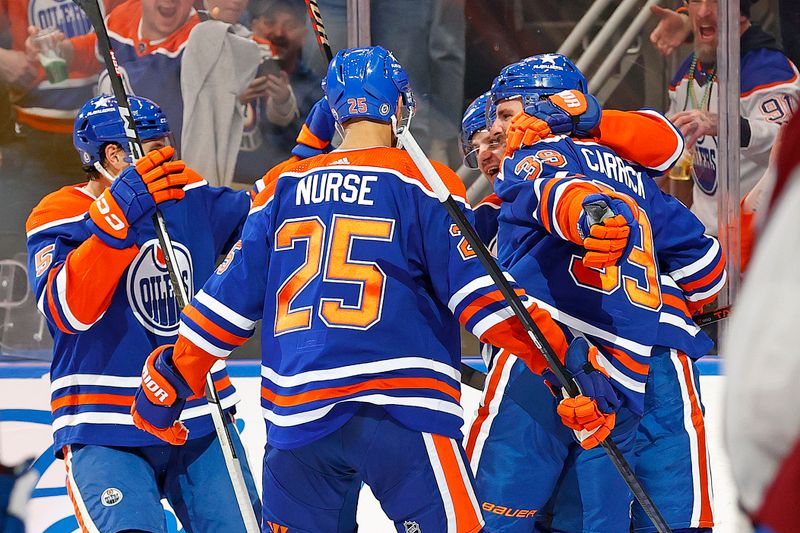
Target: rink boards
(25, 432)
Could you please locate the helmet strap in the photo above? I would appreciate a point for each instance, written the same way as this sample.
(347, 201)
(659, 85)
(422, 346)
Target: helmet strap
(103, 172)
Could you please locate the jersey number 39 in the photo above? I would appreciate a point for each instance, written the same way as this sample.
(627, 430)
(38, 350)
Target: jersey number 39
(339, 267)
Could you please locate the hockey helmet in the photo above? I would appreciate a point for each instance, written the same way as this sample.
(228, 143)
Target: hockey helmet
(536, 77)
(98, 122)
(367, 83)
(474, 121)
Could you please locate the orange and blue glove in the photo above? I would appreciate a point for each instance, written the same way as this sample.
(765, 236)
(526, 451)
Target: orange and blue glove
(569, 112)
(317, 132)
(608, 226)
(134, 195)
(592, 414)
(160, 398)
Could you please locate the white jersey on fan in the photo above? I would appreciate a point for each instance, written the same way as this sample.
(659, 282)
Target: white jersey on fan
(769, 92)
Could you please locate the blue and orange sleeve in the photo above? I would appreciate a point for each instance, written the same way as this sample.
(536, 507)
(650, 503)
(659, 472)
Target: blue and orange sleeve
(222, 316)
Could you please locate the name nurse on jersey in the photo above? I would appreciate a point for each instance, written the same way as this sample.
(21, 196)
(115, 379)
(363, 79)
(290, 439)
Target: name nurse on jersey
(62, 14)
(334, 187)
(149, 290)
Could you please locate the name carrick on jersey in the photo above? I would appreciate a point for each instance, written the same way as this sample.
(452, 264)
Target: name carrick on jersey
(108, 315)
(769, 93)
(624, 310)
(358, 273)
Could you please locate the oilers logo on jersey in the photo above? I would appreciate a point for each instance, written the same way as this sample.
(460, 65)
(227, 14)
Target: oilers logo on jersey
(704, 164)
(62, 14)
(149, 291)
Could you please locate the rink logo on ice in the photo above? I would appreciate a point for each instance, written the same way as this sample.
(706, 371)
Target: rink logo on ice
(111, 497)
(149, 290)
(412, 527)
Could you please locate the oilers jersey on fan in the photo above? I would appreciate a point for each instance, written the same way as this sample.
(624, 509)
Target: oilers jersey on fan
(357, 271)
(624, 310)
(151, 68)
(768, 98)
(98, 360)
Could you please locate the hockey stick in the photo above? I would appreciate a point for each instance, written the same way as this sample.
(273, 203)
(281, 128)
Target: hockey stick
(234, 467)
(469, 376)
(712, 316)
(539, 340)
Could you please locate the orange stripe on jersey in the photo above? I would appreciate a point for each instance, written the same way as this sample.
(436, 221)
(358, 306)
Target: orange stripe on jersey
(307, 137)
(67, 202)
(219, 384)
(467, 519)
(706, 512)
(674, 301)
(51, 304)
(481, 302)
(89, 399)
(41, 123)
(332, 393)
(483, 410)
(705, 280)
(629, 362)
(212, 328)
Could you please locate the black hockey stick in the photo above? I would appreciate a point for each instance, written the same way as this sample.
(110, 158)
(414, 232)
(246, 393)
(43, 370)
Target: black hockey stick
(469, 376)
(539, 340)
(232, 462)
(715, 315)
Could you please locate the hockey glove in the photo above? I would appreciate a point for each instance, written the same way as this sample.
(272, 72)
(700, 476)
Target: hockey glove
(592, 414)
(134, 195)
(566, 113)
(608, 226)
(161, 397)
(317, 132)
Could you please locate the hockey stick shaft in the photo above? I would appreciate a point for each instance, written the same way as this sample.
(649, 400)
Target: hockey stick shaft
(232, 462)
(319, 29)
(539, 340)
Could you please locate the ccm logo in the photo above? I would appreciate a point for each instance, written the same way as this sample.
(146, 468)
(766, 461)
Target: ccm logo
(151, 385)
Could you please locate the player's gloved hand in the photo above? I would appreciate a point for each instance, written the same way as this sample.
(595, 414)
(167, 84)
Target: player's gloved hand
(161, 397)
(608, 227)
(567, 113)
(154, 180)
(317, 132)
(592, 414)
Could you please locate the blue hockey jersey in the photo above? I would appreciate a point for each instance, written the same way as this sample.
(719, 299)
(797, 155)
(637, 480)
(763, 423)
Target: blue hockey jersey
(624, 310)
(109, 314)
(358, 273)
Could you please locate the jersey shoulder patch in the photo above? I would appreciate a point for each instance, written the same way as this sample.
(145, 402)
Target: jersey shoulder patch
(65, 205)
(763, 68)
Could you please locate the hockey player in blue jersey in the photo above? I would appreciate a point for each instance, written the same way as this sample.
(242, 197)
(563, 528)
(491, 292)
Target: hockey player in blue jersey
(529, 175)
(100, 278)
(360, 276)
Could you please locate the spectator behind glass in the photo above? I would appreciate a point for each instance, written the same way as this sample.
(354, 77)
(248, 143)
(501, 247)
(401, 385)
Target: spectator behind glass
(220, 61)
(427, 37)
(283, 24)
(769, 90)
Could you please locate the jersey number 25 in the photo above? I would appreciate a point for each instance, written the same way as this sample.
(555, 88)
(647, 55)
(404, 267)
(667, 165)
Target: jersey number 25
(339, 268)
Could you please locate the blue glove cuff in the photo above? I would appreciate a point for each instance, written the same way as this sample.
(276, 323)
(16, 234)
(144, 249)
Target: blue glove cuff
(160, 417)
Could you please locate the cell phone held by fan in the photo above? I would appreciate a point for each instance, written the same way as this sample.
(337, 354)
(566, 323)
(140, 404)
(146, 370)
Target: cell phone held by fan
(268, 66)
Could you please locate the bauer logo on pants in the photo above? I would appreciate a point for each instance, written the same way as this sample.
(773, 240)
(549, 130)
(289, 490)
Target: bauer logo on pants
(111, 497)
(149, 290)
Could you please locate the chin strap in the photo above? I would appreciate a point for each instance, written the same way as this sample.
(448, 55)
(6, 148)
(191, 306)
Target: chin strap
(103, 172)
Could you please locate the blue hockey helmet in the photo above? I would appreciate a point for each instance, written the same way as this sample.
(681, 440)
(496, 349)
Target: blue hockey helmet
(367, 83)
(474, 120)
(537, 76)
(98, 122)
